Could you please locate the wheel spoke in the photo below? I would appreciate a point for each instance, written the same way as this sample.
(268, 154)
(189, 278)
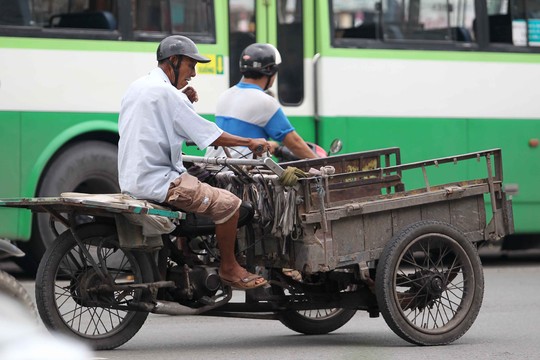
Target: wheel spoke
(75, 278)
(429, 283)
(430, 259)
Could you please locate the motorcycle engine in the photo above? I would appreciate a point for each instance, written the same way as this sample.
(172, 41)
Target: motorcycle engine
(194, 284)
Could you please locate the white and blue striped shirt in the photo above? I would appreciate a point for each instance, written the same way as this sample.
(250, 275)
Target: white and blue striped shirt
(246, 110)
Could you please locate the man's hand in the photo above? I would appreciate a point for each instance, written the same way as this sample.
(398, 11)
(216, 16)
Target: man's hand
(191, 93)
(273, 146)
(258, 146)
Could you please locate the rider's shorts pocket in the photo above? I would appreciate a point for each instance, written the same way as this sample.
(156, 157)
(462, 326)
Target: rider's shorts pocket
(185, 193)
(190, 195)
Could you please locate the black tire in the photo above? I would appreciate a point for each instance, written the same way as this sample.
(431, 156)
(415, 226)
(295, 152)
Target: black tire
(88, 167)
(316, 322)
(66, 284)
(11, 287)
(429, 283)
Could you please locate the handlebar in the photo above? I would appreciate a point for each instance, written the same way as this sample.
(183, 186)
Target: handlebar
(267, 162)
(259, 148)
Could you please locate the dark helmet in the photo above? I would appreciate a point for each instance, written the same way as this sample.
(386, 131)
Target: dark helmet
(260, 58)
(179, 45)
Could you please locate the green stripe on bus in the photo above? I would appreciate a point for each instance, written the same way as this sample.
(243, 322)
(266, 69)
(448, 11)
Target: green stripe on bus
(432, 55)
(93, 45)
(138, 46)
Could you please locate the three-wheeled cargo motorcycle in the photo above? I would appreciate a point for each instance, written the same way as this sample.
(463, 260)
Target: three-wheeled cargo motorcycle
(333, 235)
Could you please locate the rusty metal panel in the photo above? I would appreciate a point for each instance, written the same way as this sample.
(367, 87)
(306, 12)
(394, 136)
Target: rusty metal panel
(436, 211)
(378, 228)
(309, 252)
(351, 235)
(468, 214)
(402, 218)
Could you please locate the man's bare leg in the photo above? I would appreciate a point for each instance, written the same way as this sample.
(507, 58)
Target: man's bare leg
(226, 236)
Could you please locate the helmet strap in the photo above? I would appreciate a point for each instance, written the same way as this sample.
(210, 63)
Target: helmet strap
(175, 69)
(268, 82)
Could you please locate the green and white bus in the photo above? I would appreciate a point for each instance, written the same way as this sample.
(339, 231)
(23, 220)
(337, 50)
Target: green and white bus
(433, 77)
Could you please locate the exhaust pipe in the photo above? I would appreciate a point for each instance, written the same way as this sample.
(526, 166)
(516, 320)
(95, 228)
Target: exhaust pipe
(174, 308)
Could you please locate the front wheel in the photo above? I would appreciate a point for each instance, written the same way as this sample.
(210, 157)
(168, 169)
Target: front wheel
(429, 283)
(74, 299)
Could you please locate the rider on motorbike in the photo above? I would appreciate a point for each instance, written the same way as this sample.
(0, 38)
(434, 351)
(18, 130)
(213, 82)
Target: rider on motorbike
(246, 110)
(155, 120)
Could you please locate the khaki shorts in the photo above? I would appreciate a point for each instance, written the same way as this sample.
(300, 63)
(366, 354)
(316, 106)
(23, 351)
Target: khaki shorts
(190, 195)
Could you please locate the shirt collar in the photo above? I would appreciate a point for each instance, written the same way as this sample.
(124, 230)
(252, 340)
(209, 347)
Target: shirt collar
(161, 74)
(244, 85)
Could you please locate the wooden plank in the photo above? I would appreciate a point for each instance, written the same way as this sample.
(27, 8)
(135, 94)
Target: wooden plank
(86, 205)
(394, 201)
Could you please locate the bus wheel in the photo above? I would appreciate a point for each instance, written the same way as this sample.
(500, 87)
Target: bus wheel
(86, 167)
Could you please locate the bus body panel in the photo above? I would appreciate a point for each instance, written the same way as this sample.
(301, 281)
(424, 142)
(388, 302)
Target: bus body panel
(421, 88)
(89, 81)
(10, 163)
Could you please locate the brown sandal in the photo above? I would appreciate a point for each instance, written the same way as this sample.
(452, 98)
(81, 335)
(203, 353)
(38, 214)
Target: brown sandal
(246, 283)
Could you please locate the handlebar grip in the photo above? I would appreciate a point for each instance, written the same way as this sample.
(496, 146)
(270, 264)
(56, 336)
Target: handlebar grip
(259, 149)
(190, 143)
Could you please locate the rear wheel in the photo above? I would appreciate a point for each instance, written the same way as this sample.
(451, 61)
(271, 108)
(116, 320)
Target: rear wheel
(87, 167)
(429, 283)
(71, 296)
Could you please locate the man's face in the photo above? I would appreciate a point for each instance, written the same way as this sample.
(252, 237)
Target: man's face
(187, 71)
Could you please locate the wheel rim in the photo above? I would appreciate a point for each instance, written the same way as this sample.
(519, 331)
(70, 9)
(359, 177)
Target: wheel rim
(76, 289)
(434, 283)
(320, 314)
(324, 313)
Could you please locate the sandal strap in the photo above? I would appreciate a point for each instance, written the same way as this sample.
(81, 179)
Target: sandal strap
(250, 278)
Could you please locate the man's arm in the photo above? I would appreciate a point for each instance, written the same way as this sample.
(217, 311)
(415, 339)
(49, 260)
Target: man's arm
(258, 146)
(298, 146)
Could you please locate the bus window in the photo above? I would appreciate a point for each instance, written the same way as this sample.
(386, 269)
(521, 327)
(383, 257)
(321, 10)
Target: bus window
(438, 20)
(402, 20)
(242, 26)
(15, 12)
(155, 19)
(191, 17)
(358, 20)
(76, 14)
(499, 22)
(46, 18)
(514, 22)
(149, 16)
(290, 33)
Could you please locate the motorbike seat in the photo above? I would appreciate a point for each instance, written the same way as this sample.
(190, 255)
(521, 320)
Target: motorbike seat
(195, 225)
